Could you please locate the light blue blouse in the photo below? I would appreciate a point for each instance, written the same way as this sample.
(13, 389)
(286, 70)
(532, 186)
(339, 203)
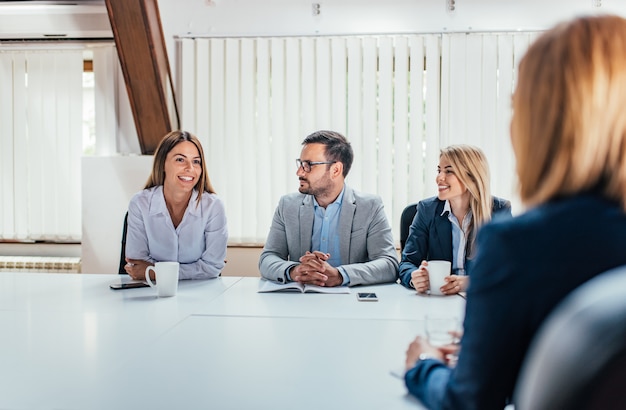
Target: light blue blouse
(198, 243)
(459, 239)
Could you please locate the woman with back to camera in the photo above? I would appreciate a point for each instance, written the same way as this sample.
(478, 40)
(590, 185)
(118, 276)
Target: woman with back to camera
(177, 216)
(568, 133)
(444, 227)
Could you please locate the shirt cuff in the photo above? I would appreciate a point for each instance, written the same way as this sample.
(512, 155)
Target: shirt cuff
(344, 275)
(287, 275)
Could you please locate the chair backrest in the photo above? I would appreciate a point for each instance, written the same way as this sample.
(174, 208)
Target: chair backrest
(121, 270)
(578, 357)
(405, 223)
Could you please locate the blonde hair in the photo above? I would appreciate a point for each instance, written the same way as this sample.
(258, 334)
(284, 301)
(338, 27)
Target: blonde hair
(472, 170)
(157, 176)
(569, 118)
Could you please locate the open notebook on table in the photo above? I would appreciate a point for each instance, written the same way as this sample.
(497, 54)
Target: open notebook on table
(269, 286)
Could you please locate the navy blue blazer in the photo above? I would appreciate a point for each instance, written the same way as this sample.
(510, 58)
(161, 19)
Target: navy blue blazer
(524, 266)
(430, 235)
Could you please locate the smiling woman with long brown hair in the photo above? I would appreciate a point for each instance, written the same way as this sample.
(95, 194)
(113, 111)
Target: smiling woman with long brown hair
(177, 217)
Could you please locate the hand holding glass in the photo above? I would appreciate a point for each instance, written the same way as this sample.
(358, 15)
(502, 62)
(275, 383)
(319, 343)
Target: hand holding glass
(444, 333)
(441, 330)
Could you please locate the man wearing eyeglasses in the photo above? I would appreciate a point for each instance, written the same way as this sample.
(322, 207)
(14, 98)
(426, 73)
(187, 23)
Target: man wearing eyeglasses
(328, 234)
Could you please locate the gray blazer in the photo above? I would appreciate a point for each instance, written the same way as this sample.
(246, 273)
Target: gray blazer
(368, 254)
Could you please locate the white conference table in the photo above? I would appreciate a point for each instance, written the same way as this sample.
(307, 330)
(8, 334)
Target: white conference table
(70, 342)
(394, 303)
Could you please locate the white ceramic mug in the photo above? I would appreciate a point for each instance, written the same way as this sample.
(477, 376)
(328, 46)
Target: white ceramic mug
(166, 275)
(437, 271)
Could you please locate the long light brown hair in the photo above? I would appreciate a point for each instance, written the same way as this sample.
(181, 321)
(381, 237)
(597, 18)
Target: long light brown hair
(569, 112)
(472, 170)
(157, 176)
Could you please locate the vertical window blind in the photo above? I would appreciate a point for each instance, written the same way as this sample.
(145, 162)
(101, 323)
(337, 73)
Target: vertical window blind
(398, 99)
(40, 144)
(251, 101)
(478, 80)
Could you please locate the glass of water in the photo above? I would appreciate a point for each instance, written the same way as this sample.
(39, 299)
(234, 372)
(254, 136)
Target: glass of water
(442, 330)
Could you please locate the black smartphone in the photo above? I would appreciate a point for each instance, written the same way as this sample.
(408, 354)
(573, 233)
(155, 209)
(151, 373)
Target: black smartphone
(366, 296)
(128, 285)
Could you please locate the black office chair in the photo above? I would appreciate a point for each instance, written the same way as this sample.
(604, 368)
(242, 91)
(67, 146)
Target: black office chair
(405, 223)
(121, 270)
(577, 360)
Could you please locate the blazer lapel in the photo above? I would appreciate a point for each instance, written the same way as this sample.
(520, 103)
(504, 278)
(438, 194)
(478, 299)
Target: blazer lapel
(307, 214)
(443, 230)
(346, 218)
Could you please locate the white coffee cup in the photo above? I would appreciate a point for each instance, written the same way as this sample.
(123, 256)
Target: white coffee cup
(437, 271)
(166, 275)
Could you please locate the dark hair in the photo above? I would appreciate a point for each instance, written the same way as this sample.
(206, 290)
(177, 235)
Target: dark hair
(337, 147)
(157, 176)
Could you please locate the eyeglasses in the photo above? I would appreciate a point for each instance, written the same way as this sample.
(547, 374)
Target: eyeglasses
(306, 165)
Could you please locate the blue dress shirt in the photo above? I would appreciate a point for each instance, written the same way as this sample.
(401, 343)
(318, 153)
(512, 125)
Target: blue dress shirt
(326, 232)
(325, 236)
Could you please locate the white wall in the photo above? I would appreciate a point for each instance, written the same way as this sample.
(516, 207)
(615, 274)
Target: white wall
(108, 183)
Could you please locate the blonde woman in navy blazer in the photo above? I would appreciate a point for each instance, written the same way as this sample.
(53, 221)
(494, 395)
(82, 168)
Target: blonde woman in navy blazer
(569, 137)
(464, 200)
